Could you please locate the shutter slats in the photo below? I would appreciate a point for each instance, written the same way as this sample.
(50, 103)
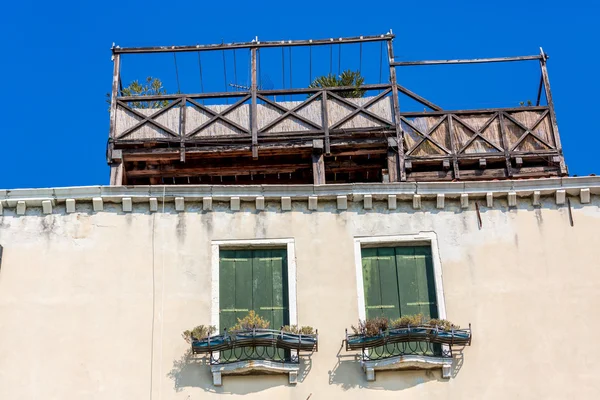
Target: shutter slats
(253, 280)
(227, 289)
(262, 284)
(386, 263)
(371, 282)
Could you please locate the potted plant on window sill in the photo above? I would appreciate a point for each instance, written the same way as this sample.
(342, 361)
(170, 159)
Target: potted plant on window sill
(252, 330)
(379, 331)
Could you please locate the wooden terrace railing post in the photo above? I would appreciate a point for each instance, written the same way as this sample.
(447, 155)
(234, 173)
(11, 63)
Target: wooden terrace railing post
(325, 119)
(253, 106)
(543, 59)
(505, 145)
(183, 109)
(116, 165)
(454, 147)
(399, 135)
(318, 163)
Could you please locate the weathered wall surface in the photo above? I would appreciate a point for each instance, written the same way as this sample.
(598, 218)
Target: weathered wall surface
(92, 304)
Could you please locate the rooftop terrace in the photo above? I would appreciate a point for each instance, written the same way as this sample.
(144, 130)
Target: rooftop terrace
(322, 134)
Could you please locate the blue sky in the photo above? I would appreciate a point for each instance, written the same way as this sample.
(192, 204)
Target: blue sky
(56, 66)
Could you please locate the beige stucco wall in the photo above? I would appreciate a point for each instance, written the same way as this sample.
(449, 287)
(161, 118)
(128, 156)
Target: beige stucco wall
(92, 304)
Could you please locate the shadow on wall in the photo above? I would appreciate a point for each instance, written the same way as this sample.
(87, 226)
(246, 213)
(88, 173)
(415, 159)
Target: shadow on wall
(348, 373)
(194, 372)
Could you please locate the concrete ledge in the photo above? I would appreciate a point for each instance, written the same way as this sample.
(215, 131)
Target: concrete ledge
(441, 192)
(252, 367)
(408, 362)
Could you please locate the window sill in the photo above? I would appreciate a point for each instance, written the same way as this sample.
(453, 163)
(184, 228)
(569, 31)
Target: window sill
(408, 362)
(255, 366)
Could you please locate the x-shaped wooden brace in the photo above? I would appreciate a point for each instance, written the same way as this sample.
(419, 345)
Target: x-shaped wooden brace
(426, 135)
(360, 109)
(218, 116)
(476, 133)
(529, 131)
(147, 119)
(289, 113)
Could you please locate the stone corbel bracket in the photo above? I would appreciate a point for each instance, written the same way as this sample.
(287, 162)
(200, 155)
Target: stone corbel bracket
(408, 362)
(254, 366)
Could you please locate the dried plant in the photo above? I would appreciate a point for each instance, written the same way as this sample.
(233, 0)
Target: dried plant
(199, 332)
(304, 330)
(249, 322)
(371, 327)
(412, 320)
(443, 323)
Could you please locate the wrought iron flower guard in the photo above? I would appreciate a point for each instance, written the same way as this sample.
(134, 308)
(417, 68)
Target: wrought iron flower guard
(414, 340)
(256, 344)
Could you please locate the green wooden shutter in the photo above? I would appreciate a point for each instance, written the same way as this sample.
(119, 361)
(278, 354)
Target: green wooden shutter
(227, 289)
(280, 302)
(380, 283)
(262, 284)
(235, 286)
(416, 281)
(253, 280)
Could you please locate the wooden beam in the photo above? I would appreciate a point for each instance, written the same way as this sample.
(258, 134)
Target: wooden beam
(325, 121)
(146, 119)
(216, 170)
(453, 147)
(182, 136)
(484, 174)
(465, 61)
(401, 172)
(116, 174)
(114, 94)
(539, 95)
(546, 79)
(253, 44)
(253, 106)
(418, 98)
(505, 145)
(318, 168)
(392, 164)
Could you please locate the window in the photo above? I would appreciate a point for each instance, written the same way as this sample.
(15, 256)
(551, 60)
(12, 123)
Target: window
(399, 281)
(260, 276)
(399, 276)
(253, 280)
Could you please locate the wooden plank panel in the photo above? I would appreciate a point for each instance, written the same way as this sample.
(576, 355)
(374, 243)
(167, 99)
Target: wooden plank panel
(243, 283)
(280, 301)
(386, 264)
(227, 289)
(371, 282)
(417, 294)
(262, 284)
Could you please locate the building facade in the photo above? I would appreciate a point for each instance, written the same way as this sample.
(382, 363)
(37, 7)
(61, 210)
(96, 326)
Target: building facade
(97, 285)
(310, 242)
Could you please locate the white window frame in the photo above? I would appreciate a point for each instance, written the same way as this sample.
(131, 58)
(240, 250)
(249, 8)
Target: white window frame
(421, 238)
(253, 244)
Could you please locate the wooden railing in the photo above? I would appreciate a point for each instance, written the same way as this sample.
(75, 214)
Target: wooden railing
(429, 145)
